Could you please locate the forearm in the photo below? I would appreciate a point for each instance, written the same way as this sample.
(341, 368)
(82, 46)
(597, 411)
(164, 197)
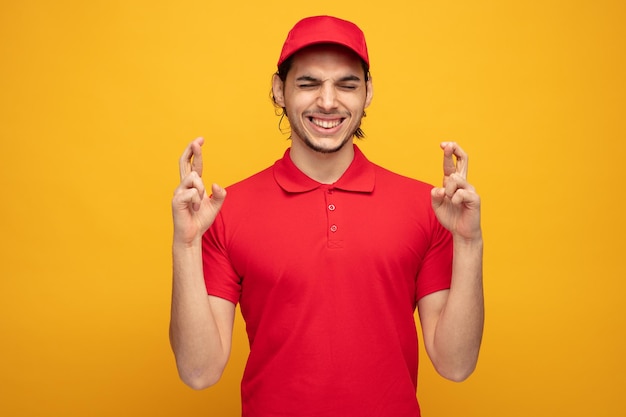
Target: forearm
(459, 330)
(200, 348)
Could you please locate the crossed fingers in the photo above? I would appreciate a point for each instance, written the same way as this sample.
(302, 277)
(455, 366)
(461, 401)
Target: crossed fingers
(455, 164)
(451, 152)
(191, 159)
(190, 165)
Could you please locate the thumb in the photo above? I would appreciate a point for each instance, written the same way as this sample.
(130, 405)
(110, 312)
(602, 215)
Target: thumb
(436, 196)
(218, 195)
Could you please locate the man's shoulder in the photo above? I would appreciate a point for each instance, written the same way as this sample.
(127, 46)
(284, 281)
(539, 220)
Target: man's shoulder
(253, 180)
(388, 177)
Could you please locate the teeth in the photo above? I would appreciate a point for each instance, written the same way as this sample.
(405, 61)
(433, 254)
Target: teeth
(326, 124)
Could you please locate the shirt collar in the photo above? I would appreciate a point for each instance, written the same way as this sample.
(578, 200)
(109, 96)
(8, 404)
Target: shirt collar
(359, 177)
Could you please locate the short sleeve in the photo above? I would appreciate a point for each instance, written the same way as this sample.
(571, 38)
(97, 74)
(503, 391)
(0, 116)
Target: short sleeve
(220, 278)
(435, 273)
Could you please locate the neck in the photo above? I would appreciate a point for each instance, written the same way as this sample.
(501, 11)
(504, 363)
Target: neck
(325, 168)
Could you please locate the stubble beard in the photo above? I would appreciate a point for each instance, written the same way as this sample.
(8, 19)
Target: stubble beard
(309, 143)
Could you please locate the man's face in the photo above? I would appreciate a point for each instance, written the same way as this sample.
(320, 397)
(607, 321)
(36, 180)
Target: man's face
(325, 95)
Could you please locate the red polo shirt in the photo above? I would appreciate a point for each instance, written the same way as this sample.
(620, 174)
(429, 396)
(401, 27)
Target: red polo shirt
(328, 277)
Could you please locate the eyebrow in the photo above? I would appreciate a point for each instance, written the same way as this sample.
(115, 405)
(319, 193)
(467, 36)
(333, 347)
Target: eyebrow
(313, 79)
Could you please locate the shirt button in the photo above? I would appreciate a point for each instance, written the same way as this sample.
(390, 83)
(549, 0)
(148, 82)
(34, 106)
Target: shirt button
(331, 207)
(333, 228)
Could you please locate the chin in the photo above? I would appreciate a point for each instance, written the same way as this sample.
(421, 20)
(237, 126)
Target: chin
(328, 144)
(331, 148)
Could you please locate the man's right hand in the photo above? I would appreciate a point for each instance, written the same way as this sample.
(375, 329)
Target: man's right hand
(192, 209)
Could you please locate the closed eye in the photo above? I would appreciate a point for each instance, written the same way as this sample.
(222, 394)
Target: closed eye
(307, 82)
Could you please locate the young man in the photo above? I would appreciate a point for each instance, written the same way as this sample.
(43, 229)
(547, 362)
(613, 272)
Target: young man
(328, 255)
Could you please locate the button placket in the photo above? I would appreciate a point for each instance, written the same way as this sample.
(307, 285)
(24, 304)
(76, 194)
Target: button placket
(333, 224)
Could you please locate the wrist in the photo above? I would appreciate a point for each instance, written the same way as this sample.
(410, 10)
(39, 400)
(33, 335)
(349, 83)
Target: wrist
(474, 241)
(181, 243)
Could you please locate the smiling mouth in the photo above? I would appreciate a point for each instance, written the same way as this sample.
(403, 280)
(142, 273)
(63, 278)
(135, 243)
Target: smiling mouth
(326, 124)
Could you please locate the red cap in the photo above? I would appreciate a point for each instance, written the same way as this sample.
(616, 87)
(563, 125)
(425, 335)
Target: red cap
(324, 29)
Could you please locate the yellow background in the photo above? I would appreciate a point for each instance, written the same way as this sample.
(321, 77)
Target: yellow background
(98, 99)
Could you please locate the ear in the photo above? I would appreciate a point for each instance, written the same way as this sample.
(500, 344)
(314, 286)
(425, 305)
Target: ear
(369, 94)
(278, 90)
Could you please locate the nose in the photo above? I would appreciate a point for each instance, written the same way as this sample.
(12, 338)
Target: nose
(327, 98)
